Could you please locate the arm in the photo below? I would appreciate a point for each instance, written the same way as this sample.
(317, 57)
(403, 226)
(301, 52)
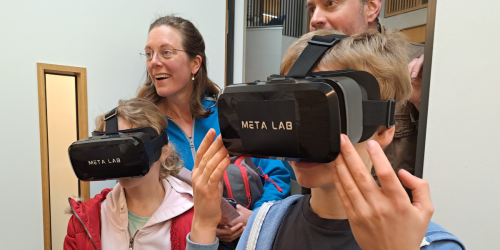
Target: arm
(210, 163)
(279, 174)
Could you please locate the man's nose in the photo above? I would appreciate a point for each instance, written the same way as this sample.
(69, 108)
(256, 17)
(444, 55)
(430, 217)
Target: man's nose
(318, 19)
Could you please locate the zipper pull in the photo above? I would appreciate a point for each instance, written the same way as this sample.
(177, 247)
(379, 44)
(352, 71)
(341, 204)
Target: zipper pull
(131, 244)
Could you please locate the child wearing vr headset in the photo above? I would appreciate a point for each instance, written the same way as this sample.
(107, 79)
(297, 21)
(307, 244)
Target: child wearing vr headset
(346, 208)
(149, 212)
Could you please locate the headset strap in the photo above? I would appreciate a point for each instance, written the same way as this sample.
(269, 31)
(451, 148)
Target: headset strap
(376, 113)
(158, 143)
(312, 54)
(111, 122)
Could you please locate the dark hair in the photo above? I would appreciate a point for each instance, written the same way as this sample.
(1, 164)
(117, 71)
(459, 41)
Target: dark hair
(194, 45)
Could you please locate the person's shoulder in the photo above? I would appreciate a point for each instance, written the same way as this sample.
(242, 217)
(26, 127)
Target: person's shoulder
(280, 206)
(437, 238)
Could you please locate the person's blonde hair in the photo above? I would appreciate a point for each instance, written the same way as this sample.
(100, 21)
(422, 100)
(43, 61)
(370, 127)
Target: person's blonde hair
(143, 113)
(382, 55)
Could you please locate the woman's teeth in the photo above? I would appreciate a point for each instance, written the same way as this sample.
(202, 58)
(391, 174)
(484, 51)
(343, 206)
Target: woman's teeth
(162, 76)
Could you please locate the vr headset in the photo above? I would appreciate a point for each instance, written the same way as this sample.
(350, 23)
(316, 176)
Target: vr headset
(116, 153)
(300, 116)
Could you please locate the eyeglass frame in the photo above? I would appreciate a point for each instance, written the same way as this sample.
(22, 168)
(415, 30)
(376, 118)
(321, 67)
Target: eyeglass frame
(161, 54)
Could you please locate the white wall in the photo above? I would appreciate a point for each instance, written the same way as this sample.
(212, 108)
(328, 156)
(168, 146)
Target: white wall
(240, 30)
(103, 36)
(405, 20)
(286, 42)
(461, 154)
(263, 52)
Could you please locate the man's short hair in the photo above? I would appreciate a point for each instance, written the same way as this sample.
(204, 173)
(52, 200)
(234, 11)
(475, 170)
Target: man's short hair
(383, 55)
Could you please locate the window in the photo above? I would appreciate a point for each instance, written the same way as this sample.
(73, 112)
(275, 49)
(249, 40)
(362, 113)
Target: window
(395, 7)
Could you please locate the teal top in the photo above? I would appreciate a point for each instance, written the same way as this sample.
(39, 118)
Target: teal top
(135, 223)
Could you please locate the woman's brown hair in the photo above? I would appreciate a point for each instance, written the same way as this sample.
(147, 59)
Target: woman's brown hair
(194, 45)
(143, 113)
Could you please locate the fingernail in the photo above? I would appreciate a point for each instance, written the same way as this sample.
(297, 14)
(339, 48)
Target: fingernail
(371, 144)
(413, 74)
(342, 139)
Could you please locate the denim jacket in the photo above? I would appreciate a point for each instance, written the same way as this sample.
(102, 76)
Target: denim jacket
(436, 237)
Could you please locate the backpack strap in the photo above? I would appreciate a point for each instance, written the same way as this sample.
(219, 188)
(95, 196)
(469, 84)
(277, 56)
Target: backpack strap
(228, 186)
(257, 225)
(244, 176)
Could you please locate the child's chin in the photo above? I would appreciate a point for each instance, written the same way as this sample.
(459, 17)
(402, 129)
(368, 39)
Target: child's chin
(307, 182)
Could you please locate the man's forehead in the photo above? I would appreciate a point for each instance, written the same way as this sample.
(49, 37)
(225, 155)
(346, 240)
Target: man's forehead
(314, 2)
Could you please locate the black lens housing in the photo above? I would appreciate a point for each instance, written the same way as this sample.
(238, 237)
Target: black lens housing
(114, 154)
(314, 111)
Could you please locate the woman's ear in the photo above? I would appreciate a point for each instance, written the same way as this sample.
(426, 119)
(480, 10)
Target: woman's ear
(196, 64)
(165, 151)
(384, 135)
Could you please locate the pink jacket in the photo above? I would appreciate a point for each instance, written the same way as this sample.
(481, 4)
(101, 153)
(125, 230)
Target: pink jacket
(156, 233)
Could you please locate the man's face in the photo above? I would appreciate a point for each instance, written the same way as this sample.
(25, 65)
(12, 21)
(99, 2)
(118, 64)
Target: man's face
(347, 16)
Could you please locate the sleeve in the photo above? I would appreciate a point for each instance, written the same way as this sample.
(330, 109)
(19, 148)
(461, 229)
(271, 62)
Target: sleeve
(195, 246)
(444, 245)
(275, 171)
(70, 239)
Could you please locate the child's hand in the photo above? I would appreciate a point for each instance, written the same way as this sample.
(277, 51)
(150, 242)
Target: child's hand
(210, 163)
(229, 233)
(381, 217)
(244, 215)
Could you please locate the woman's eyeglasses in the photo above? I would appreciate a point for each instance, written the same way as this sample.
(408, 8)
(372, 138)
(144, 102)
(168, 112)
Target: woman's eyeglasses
(165, 54)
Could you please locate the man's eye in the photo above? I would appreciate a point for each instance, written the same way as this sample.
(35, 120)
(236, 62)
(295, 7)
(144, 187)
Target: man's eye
(331, 3)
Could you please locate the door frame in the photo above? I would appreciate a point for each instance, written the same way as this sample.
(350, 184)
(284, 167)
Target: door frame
(426, 81)
(82, 116)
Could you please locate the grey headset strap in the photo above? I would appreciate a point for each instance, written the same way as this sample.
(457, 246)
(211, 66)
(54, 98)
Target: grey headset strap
(111, 122)
(312, 54)
(376, 113)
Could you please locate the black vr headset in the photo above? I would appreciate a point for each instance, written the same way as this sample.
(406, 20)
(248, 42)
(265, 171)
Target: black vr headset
(116, 153)
(300, 116)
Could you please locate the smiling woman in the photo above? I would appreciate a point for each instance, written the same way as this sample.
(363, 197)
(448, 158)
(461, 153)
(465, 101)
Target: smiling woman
(178, 84)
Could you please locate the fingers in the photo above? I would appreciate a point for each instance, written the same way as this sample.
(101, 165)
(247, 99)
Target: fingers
(420, 191)
(348, 207)
(416, 67)
(352, 162)
(204, 146)
(211, 159)
(388, 179)
(348, 182)
(223, 221)
(215, 177)
(228, 234)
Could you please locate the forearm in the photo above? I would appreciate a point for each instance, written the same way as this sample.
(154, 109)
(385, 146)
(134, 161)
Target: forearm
(201, 233)
(280, 176)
